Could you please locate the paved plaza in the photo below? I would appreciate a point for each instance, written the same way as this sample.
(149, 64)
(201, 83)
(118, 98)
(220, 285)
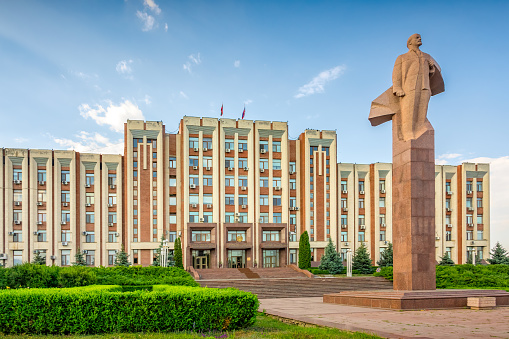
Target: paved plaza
(451, 324)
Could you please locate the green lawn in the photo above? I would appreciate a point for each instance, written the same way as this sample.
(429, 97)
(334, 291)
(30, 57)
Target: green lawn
(264, 327)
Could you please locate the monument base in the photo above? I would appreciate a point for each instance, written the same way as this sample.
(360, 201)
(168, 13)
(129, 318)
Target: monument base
(414, 300)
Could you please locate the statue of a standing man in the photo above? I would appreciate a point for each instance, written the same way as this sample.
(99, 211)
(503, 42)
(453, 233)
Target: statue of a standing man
(415, 78)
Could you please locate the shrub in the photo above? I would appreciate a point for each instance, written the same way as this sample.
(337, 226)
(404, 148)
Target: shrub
(138, 275)
(76, 276)
(385, 272)
(106, 309)
(386, 257)
(29, 275)
(446, 260)
(178, 254)
(304, 251)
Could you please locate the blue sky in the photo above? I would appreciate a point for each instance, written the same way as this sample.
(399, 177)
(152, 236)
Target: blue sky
(71, 72)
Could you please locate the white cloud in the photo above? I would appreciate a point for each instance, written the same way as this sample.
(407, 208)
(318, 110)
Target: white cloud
(87, 142)
(317, 84)
(20, 140)
(193, 59)
(123, 67)
(236, 63)
(183, 95)
(166, 27)
(114, 115)
(147, 19)
(248, 101)
(152, 6)
(444, 159)
(147, 99)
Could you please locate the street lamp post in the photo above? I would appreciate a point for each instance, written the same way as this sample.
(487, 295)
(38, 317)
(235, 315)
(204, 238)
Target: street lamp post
(164, 254)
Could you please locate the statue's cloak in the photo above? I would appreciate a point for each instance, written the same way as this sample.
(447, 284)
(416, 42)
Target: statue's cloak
(387, 104)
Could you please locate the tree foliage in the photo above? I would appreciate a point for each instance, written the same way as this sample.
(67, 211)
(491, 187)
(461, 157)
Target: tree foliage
(178, 253)
(79, 258)
(38, 259)
(386, 257)
(304, 251)
(361, 260)
(169, 256)
(446, 260)
(122, 258)
(331, 261)
(498, 255)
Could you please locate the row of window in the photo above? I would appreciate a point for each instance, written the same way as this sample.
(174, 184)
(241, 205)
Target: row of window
(242, 217)
(17, 236)
(230, 181)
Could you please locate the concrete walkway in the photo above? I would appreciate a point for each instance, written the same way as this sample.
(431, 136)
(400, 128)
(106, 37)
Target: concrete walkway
(450, 324)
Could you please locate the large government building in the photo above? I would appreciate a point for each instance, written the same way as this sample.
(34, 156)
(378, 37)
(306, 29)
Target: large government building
(239, 193)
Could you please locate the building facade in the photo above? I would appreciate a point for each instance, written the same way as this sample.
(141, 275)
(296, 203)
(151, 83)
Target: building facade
(239, 193)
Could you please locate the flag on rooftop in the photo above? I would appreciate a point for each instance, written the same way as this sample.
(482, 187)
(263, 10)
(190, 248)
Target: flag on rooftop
(221, 109)
(244, 112)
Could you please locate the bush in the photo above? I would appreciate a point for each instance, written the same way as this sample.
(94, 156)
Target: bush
(76, 276)
(29, 275)
(106, 309)
(138, 275)
(385, 272)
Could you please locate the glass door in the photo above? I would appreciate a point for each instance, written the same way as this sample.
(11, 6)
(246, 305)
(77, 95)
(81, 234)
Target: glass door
(270, 258)
(236, 258)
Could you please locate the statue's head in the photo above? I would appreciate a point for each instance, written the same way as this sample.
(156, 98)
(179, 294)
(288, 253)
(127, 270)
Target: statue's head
(414, 40)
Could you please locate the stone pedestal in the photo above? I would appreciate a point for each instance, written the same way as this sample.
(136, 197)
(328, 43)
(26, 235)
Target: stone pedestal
(413, 211)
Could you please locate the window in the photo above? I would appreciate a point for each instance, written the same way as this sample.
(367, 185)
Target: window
(264, 182)
(65, 196)
(480, 235)
(270, 236)
(381, 185)
(207, 199)
(242, 181)
(17, 174)
(229, 217)
(194, 217)
(448, 186)
(112, 179)
(18, 196)
(207, 180)
(276, 146)
(480, 252)
(229, 162)
(229, 181)
(65, 236)
(362, 221)
(344, 202)
(194, 199)
(242, 217)
(448, 219)
(479, 219)
(17, 236)
(194, 180)
(207, 216)
(293, 184)
(135, 164)
(361, 186)
(479, 186)
(41, 196)
(89, 198)
(112, 217)
(193, 161)
(236, 235)
(229, 199)
(469, 185)
(264, 145)
(90, 257)
(207, 162)
(112, 198)
(112, 236)
(448, 235)
(90, 237)
(89, 217)
(344, 220)
(229, 144)
(382, 219)
(470, 235)
(41, 175)
(200, 235)
(361, 202)
(344, 185)
(276, 218)
(479, 202)
(173, 218)
(264, 218)
(112, 256)
(276, 164)
(173, 162)
(194, 143)
(41, 236)
(469, 202)
(292, 167)
(276, 182)
(470, 219)
(344, 236)
(243, 145)
(65, 257)
(242, 163)
(293, 202)
(276, 200)
(242, 199)
(264, 200)
(264, 164)
(65, 176)
(361, 237)
(382, 235)
(448, 251)
(448, 203)
(207, 143)
(293, 219)
(293, 256)
(313, 149)
(381, 202)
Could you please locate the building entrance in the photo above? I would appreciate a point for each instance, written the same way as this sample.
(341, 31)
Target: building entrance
(270, 258)
(236, 258)
(201, 259)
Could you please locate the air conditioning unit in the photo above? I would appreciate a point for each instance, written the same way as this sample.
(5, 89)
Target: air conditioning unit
(346, 244)
(88, 205)
(84, 233)
(117, 234)
(42, 183)
(292, 208)
(194, 205)
(64, 204)
(437, 238)
(228, 150)
(244, 206)
(385, 242)
(35, 232)
(196, 149)
(65, 183)
(192, 186)
(382, 191)
(201, 219)
(39, 203)
(261, 220)
(3, 256)
(363, 227)
(207, 168)
(263, 151)
(87, 185)
(53, 257)
(65, 243)
(448, 192)
(344, 226)
(470, 208)
(110, 224)
(205, 149)
(262, 170)
(469, 192)
(209, 205)
(112, 187)
(472, 243)
(39, 223)
(63, 223)
(277, 188)
(195, 167)
(361, 192)
(344, 191)
(230, 168)
(17, 222)
(241, 150)
(470, 225)
(296, 208)
(292, 172)
(17, 182)
(237, 220)
(110, 205)
(85, 252)
(35, 251)
(448, 225)
(237, 214)
(345, 209)
(11, 233)
(245, 168)
(17, 203)
(448, 209)
(243, 188)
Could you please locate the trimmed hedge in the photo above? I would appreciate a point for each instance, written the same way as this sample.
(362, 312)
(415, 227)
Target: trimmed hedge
(107, 309)
(40, 276)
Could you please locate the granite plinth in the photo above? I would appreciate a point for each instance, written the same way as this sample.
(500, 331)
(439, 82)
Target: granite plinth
(414, 300)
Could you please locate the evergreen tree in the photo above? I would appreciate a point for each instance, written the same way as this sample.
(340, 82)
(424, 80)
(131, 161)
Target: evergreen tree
(499, 255)
(446, 260)
(361, 260)
(122, 258)
(80, 259)
(38, 259)
(386, 257)
(478, 261)
(178, 253)
(304, 251)
(331, 261)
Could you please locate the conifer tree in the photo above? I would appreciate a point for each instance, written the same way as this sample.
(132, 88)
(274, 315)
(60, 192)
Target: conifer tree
(446, 260)
(38, 259)
(386, 257)
(498, 255)
(361, 260)
(304, 251)
(331, 260)
(80, 259)
(178, 253)
(122, 258)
